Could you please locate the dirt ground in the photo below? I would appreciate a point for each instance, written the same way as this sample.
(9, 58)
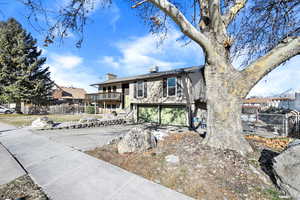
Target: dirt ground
(202, 172)
(25, 120)
(23, 188)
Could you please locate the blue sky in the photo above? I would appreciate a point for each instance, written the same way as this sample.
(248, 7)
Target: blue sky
(117, 41)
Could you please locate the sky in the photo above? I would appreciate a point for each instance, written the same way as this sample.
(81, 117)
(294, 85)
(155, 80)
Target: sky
(117, 41)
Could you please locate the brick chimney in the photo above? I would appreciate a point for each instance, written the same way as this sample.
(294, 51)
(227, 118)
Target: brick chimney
(110, 76)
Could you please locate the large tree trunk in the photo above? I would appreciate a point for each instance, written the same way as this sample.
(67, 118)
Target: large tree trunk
(224, 128)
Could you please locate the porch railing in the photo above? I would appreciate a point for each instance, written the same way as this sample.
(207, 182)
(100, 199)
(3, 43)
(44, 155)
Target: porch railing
(116, 96)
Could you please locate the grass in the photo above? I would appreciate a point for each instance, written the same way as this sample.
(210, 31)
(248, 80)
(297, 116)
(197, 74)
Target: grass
(25, 120)
(274, 194)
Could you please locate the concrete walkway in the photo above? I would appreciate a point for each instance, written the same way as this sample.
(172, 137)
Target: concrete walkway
(67, 174)
(9, 167)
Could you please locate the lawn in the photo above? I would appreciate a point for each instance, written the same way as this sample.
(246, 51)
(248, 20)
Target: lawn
(25, 120)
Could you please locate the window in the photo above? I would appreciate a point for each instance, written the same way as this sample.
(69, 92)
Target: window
(109, 89)
(114, 88)
(171, 84)
(104, 89)
(140, 89)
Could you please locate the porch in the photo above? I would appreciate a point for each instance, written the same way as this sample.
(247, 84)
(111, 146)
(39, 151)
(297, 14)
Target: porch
(105, 102)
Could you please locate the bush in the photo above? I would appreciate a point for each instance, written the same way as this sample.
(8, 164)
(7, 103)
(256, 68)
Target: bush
(114, 113)
(90, 110)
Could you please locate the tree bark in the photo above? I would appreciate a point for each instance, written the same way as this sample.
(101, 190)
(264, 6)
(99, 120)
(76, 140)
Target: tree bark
(224, 108)
(18, 107)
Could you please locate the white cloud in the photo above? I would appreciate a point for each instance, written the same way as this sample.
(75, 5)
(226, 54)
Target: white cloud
(281, 79)
(138, 54)
(66, 61)
(68, 70)
(109, 61)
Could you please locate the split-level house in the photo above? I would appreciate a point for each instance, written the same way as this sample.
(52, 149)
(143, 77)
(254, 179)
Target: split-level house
(164, 97)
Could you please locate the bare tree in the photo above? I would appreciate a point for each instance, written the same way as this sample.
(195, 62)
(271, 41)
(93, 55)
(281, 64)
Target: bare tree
(266, 33)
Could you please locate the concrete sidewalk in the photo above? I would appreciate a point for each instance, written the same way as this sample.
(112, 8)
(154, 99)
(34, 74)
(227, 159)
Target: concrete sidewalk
(9, 167)
(67, 174)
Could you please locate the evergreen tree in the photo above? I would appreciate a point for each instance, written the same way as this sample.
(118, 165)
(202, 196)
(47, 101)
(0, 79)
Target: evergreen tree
(23, 76)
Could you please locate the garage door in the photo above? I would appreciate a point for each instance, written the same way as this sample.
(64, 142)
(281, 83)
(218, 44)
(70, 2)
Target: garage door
(173, 116)
(148, 114)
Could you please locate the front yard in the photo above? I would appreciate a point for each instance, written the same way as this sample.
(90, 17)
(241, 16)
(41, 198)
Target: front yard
(25, 120)
(201, 172)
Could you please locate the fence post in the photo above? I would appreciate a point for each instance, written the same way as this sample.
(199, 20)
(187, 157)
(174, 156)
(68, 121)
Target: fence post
(286, 125)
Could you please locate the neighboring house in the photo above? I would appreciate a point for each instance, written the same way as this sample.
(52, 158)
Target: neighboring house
(69, 95)
(291, 103)
(260, 103)
(275, 102)
(163, 97)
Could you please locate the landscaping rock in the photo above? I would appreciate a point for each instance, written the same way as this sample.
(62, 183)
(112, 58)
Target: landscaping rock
(159, 134)
(137, 140)
(42, 122)
(85, 120)
(172, 159)
(287, 170)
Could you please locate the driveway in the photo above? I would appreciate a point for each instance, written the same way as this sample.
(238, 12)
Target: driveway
(65, 173)
(85, 139)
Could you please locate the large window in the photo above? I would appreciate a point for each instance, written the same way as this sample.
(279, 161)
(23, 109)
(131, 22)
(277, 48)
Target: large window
(171, 85)
(140, 89)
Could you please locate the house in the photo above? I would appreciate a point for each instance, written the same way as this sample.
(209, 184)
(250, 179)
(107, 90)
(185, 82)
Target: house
(164, 97)
(69, 95)
(275, 102)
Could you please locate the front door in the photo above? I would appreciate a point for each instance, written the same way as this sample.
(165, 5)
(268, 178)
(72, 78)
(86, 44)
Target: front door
(125, 96)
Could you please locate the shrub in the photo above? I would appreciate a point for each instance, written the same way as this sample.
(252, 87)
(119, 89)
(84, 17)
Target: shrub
(90, 110)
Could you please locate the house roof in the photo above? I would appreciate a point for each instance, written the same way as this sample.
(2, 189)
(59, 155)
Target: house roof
(69, 93)
(257, 100)
(265, 100)
(151, 75)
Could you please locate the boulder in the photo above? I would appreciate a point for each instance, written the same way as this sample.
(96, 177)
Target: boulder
(172, 159)
(287, 170)
(42, 122)
(137, 140)
(159, 134)
(88, 120)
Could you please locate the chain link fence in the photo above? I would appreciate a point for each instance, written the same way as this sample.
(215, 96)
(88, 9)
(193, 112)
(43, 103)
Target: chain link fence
(282, 124)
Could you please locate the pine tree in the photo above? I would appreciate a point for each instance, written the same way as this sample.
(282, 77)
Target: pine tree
(23, 76)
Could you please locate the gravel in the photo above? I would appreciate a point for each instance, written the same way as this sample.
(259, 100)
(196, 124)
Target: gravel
(23, 188)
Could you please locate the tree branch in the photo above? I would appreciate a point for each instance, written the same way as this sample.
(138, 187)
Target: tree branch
(214, 12)
(233, 11)
(285, 50)
(139, 3)
(186, 27)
